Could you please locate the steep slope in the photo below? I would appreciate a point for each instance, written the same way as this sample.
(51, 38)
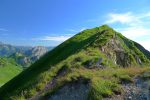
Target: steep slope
(8, 70)
(81, 58)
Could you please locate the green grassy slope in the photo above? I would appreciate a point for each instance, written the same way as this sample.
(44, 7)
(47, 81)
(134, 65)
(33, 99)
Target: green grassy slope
(72, 54)
(8, 70)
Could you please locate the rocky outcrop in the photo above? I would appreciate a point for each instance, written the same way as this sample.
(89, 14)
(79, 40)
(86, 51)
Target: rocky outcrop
(94, 64)
(138, 90)
(72, 91)
(7, 49)
(28, 57)
(123, 59)
(36, 52)
(24, 56)
(115, 51)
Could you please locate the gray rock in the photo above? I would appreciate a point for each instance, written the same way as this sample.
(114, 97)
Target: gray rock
(72, 91)
(99, 62)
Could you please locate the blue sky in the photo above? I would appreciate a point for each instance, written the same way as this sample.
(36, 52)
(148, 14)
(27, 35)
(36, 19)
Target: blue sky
(50, 22)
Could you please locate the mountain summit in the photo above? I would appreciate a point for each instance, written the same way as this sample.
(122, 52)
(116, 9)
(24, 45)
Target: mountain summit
(80, 60)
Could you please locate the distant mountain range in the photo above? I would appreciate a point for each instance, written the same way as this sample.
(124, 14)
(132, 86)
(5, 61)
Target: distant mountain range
(7, 49)
(23, 55)
(13, 59)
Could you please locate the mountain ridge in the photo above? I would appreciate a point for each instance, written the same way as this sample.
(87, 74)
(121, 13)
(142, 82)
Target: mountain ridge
(100, 47)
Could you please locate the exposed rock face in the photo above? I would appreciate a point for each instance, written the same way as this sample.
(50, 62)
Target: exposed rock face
(72, 91)
(36, 52)
(30, 56)
(23, 55)
(116, 52)
(138, 60)
(122, 59)
(7, 50)
(138, 90)
(24, 61)
(94, 64)
(98, 63)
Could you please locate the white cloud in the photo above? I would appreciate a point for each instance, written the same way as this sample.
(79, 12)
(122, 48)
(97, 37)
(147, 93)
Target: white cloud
(134, 32)
(133, 25)
(52, 38)
(123, 18)
(128, 18)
